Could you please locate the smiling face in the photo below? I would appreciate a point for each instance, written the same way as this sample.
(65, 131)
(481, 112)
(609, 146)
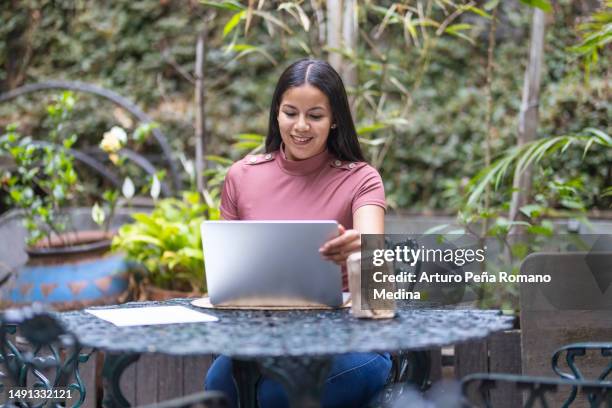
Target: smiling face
(304, 120)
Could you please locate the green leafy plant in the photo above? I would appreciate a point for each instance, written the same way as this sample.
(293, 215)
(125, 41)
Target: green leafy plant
(596, 34)
(43, 179)
(168, 243)
(408, 68)
(521, 157)
(555, 195)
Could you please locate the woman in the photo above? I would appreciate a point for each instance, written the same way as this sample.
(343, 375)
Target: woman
(313, 169)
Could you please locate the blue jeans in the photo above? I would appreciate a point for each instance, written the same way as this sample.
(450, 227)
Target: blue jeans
(353, 380)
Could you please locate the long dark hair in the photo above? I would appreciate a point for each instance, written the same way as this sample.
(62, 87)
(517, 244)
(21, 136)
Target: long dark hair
(342, 141)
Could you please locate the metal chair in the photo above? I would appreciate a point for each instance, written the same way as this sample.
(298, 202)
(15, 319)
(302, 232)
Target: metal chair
(571, 351)
(47, 361)
(475, 389)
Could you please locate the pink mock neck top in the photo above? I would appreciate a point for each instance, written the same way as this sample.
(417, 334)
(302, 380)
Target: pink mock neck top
(271, 187)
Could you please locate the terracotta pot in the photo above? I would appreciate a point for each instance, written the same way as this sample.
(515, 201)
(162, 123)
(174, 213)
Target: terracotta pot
(72, 247)
(70, 277)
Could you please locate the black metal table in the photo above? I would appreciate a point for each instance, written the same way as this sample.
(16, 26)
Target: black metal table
(294, 347)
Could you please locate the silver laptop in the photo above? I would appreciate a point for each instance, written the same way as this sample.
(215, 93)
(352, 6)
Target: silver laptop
(270, 263)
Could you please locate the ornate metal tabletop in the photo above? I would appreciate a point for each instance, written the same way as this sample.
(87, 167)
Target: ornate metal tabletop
(293, 347)
(256, 334)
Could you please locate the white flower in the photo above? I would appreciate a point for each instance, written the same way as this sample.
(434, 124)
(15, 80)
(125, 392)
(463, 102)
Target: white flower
(119, 133)
(113, 140)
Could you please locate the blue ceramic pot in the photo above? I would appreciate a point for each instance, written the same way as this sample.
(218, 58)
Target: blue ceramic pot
(71, 277)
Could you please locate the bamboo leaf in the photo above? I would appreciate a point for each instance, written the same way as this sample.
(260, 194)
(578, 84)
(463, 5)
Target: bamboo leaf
(477, 11)
(297, 13)
(426, 22)
(249, 17)
(270, 18)
(399, 85)
(485, 177)
(245, 49)
(233, 22)
(362, 130)
(541, 4)
(390, 12)
(462, 36)
(605, 138)
(525, 157)
(218, 159)
(502, 170)
(458, 27)
(224, 5)
(491, 4)
(250, 136)
(568, 143)
(410, 28)
(373, 142)
(587, 147)
(245, 145)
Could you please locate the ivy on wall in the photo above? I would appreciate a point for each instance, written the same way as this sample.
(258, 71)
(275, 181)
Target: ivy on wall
(145, 50)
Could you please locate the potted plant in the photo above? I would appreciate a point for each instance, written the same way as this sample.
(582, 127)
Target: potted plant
(168, 244)
(68, 265)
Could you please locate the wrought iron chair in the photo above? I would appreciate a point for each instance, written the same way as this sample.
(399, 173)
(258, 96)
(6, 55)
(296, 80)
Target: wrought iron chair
(571, 351)
(48, 361)
(476, 387)
(51, 361)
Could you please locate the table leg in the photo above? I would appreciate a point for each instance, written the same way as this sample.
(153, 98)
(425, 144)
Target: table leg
(114, 365)
(302, 377)
(246, 375)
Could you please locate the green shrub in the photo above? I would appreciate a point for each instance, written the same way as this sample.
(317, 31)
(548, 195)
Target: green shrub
(168, 243)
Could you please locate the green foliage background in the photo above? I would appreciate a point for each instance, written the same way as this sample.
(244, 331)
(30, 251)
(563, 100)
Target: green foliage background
(434, 106)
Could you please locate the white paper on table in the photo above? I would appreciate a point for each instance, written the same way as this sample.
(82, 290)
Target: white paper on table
(142, 316)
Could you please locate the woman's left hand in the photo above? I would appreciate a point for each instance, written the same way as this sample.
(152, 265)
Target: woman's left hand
(339, 248)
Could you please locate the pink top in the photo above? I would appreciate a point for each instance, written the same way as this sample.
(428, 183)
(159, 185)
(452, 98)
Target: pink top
(270, 187)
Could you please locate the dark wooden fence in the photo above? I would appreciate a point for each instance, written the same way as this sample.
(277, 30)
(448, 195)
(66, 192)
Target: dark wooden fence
(157, 377)
(499, 353)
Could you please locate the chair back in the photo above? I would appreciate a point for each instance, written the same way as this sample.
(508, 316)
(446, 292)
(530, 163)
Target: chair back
(37, 352)
(537, 391)
(575, 307)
